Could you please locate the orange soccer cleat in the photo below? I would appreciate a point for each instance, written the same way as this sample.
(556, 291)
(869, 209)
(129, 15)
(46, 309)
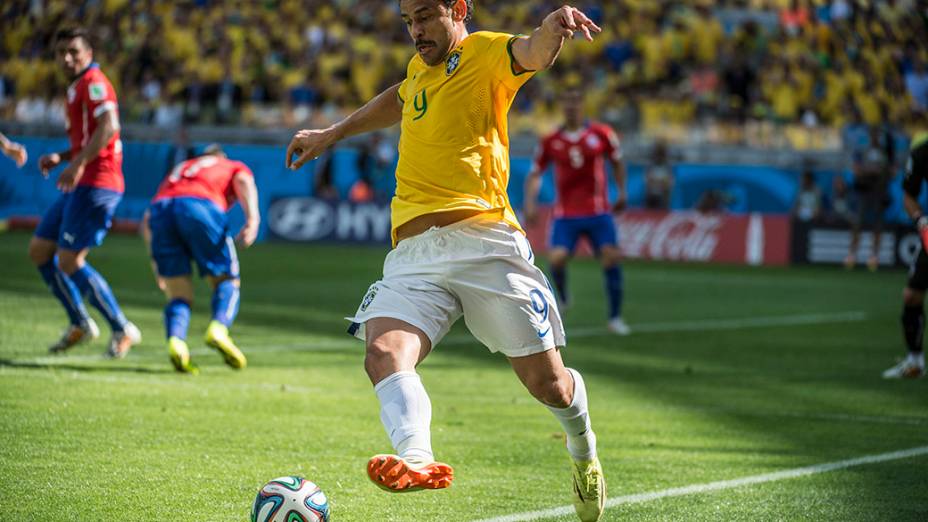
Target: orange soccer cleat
(398, 475)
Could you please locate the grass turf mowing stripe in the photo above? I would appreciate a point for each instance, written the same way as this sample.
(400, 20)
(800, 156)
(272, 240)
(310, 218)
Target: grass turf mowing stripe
(721, 485)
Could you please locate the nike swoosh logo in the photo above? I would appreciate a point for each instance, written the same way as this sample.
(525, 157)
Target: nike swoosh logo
(544, 333)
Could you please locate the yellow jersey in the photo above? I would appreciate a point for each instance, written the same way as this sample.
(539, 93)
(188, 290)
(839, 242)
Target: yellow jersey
(454, 141)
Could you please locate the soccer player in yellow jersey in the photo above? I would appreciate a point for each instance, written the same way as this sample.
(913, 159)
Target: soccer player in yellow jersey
(459, 248)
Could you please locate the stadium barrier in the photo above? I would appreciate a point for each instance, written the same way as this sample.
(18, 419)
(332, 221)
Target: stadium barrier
(824, 244)
(753, 239)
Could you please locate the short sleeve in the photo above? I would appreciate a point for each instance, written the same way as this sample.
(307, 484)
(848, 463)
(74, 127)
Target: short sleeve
(401, 93)
(503, 63)
(542, 158)
(613, 145)
(241, 168)
(101, 97)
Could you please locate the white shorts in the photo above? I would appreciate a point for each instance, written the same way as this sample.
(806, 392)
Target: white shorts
(480, 269)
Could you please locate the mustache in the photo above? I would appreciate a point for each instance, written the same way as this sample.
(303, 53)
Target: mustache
(425, 42)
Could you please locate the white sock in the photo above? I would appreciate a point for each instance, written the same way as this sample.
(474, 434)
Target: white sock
(917, 359)
(406, 413)
(581, 441)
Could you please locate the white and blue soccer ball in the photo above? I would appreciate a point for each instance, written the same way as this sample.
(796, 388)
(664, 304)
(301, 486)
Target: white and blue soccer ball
(290, 499)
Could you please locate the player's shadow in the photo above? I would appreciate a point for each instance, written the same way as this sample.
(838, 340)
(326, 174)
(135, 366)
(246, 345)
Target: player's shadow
(33, 365)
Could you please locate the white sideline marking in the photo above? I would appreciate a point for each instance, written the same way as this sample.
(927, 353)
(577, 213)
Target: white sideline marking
(721, 485)
(705, 325)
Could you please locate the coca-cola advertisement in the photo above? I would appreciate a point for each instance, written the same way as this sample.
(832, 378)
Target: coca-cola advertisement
(754, 239)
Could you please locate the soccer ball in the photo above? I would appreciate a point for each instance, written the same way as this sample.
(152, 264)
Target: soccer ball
(290, 499)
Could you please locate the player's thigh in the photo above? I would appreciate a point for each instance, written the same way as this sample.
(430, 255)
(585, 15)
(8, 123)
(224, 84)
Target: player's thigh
(602, 233)
(205, 229)
(168, 250)
(509, 306)
(393, 346)
(564, 235)
(49, 228)
(42, 250)
(87, 217)
(179, 287)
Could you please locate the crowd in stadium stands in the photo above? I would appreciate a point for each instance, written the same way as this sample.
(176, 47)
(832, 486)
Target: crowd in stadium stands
(737, 68)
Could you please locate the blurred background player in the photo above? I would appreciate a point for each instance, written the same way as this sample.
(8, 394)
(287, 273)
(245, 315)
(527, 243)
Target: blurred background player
(582, 207)
(92, 186)
(12, 150)
(459, 247)
(872, 171)
(188, 221)
(913, 296)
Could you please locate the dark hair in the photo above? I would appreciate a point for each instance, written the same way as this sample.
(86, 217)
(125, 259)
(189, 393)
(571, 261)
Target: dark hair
(470, 7)
(70, 33)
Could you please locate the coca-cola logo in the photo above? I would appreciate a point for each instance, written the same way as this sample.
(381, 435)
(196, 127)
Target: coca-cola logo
(685, 236)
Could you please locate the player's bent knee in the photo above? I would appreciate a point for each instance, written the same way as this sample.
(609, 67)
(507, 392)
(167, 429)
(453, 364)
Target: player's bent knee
(558, 258)
(41, 251)
(913, 297)
(552, 390)
(214, 281)
(70, 261)
(610, 256)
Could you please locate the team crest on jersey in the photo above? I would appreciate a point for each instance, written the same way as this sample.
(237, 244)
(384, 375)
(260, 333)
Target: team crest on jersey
(593, 141)
(368, 298)
(453, 62)
(97, 91)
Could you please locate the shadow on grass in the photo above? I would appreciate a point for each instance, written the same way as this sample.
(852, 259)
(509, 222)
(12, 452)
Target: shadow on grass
(32, 365)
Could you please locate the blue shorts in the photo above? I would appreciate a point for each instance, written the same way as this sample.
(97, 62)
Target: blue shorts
(79, 219)
(600, 230)
(185, 229)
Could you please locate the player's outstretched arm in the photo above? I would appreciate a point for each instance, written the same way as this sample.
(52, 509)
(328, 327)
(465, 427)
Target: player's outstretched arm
(13, 150)
(540, 50)
(530, 200)
(107, 127)
(247, 193)
(385, 110)
(620, 174)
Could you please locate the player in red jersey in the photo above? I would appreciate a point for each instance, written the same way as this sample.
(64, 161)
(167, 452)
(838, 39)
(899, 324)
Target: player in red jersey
(91, 186)
(13, 150)
(188, 221)
(579, 150)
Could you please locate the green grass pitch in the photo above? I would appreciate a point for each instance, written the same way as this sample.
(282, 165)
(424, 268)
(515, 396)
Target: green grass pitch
(705, 391)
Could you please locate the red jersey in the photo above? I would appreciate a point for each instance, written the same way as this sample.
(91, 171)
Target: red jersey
(207, 177)
(579, 168)
(90, 96)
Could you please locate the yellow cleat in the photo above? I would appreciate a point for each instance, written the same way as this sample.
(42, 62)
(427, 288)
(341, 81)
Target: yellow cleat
(217, 336)
(180, 356)
(589, 489)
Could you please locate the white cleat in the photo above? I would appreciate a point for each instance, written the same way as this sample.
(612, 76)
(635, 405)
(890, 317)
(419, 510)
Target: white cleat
(76, 334)
(909, 368)
(618, 326)
(122, 342)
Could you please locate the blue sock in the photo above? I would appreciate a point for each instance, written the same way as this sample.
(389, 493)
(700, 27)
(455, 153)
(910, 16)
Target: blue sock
(559, 275)
(98, 292)
(614, 290)
(63, 288)
(177, 318)
(225, 302)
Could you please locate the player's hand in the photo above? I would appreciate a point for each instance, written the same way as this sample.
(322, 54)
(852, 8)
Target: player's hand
(620, 205)
(69, 177)
(17, 153)
(307, 145)
(49, 161)
(248, 234)
(567, 20)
